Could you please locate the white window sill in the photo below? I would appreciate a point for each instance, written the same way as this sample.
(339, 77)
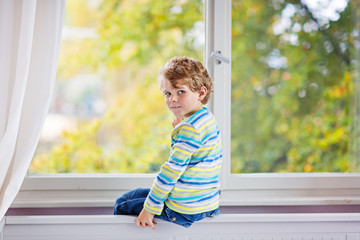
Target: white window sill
(252, 190)
(44, 202)
(229, 226)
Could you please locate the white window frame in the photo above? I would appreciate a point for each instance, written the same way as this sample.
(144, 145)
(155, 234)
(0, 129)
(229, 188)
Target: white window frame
(272, 189)
(267, 188)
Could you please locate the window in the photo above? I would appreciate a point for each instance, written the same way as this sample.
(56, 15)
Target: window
(108, 114)
(241, 42)
(293, 86)
(266, 61)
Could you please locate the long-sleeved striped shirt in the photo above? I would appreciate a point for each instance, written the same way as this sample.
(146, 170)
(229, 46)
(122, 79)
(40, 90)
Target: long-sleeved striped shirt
(189, 181)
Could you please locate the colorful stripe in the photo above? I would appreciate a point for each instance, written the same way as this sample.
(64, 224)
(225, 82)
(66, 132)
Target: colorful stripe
(189, 181)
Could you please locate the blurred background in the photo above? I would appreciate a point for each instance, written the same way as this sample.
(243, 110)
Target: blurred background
(295, 103)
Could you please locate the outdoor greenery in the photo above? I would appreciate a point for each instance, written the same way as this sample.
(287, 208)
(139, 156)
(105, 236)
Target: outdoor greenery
(134, 38)
(294, 76)
(294, 72)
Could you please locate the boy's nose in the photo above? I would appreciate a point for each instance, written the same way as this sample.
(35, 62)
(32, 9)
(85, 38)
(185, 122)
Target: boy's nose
(174, 98)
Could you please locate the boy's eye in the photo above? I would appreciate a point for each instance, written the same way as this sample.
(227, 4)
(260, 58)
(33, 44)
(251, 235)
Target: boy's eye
(167, 94)
(181, 92)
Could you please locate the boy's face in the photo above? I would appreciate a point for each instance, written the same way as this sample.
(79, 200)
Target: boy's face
(181, 101)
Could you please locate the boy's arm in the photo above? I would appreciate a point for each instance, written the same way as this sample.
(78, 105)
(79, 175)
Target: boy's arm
(186, 140)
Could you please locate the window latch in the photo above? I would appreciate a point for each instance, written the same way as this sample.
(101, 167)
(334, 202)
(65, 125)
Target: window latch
(220, 58)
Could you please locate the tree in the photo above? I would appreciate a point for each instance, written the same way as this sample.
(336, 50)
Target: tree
(292, 88)
(133, 39)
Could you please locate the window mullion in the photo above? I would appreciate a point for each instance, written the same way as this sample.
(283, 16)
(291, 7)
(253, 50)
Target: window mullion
(221, 37)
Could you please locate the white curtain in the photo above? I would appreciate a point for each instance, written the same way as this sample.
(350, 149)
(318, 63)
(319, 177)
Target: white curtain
(30, 37)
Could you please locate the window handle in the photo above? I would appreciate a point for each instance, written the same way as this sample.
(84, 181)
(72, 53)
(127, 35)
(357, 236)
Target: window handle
(220, 58)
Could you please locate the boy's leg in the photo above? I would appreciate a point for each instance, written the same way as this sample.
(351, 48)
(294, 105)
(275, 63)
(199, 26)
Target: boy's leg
(131, 203)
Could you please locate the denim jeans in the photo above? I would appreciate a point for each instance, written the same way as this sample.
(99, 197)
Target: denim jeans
(131, 203)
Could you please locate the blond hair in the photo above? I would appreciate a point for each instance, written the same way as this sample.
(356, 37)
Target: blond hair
(189, 70)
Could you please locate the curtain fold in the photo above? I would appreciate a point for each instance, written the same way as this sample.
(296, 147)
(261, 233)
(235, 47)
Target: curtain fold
(30, 37)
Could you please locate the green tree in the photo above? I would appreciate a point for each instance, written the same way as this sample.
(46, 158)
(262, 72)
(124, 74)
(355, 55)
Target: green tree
(292, 88)
(133, 39)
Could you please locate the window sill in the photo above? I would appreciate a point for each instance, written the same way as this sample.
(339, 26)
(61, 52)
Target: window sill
(91, 190)
(84, 199)
(229, 226)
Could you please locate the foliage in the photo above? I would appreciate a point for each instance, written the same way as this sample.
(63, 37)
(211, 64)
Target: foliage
(133, 39)
(292, 88)
(294, 76)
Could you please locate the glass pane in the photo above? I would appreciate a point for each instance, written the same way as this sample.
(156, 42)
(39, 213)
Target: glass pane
(294, 86)
(108, 114)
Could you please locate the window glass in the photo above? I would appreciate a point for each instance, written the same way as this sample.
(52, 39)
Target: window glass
(107, 113)
(294, 86)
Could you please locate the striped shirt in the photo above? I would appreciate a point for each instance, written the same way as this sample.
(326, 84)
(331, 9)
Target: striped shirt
(189, 181)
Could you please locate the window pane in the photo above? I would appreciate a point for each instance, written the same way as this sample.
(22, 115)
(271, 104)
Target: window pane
(108, 115)
(294, 86)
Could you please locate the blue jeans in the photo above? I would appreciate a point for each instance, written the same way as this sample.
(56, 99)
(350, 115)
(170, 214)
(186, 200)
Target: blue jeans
(131, 203)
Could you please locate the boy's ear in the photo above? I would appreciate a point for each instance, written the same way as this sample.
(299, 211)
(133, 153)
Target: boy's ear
(202, 93)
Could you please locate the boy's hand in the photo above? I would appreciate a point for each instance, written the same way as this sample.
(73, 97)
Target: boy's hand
(176, 121)
(145, 219)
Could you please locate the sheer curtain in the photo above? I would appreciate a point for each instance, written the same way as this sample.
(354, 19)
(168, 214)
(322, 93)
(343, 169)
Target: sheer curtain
(30, 36)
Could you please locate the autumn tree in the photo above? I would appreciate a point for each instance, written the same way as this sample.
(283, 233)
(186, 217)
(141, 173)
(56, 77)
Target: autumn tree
(131, 40)
(293, 79)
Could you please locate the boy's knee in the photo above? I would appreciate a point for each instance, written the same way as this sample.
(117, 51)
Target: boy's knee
(125, 197)
(120, 201)
(117, 206)
(130, 200)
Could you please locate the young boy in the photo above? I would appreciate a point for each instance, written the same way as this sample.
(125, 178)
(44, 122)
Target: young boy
(187, 187)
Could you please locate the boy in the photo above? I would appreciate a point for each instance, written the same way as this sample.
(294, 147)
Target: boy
(187, 187)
